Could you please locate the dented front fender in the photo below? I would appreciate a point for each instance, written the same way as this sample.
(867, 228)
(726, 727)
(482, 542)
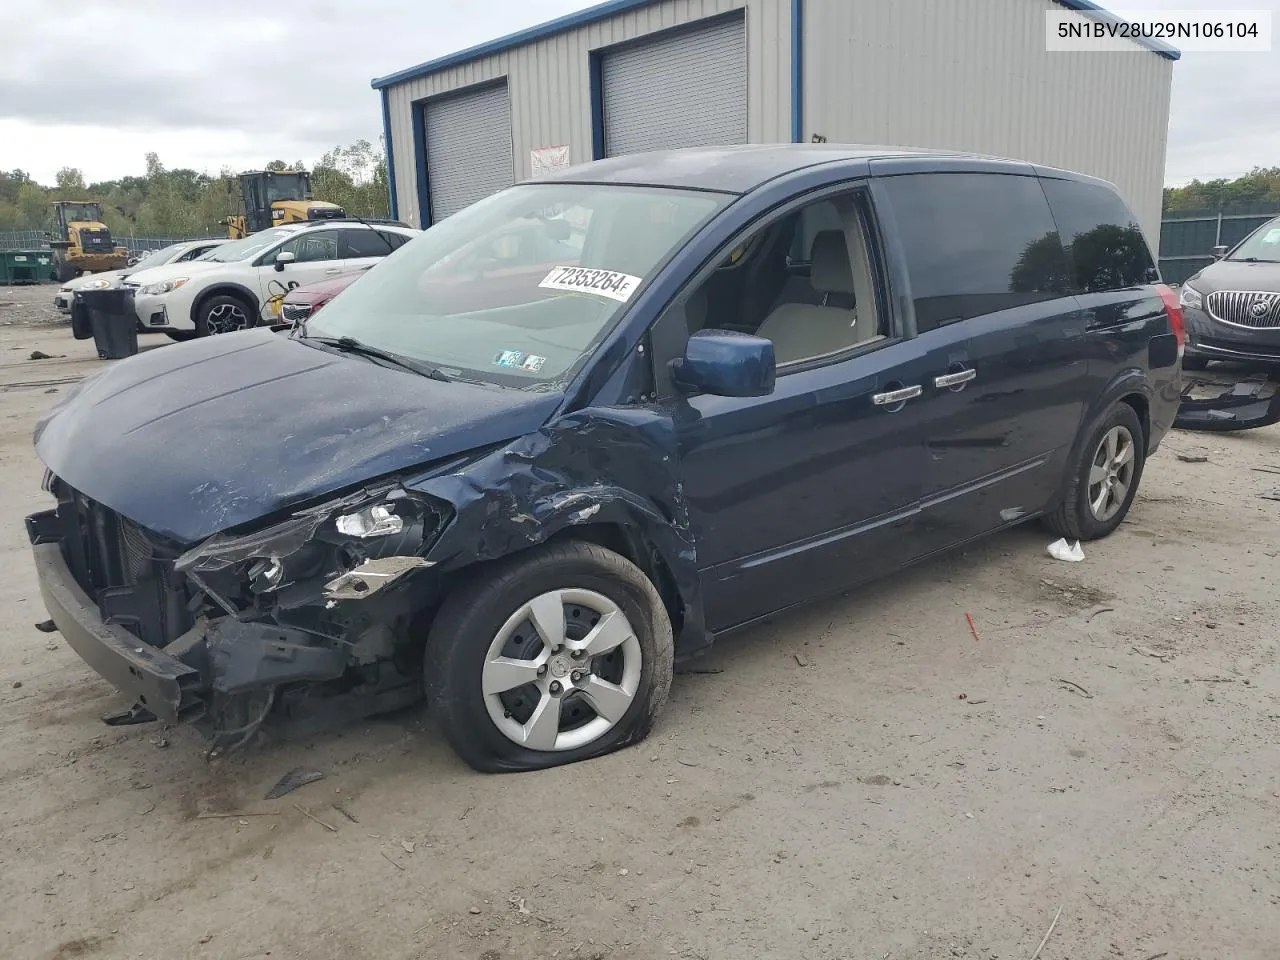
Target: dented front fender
(614, 465)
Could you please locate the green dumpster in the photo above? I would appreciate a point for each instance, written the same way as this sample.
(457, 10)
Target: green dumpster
(44, 264)
(24, 266)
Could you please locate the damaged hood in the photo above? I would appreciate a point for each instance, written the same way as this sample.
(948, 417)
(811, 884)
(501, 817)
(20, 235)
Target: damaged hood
(196, 438)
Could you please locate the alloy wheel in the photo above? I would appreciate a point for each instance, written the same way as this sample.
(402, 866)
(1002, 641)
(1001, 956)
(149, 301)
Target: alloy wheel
(562, 671)
(226, 318)
(1111, 473)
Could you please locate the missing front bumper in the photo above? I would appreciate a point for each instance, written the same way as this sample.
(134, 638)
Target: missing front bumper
(177, 683)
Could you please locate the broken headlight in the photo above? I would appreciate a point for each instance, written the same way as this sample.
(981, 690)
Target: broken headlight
(292, 561)
(376, 520)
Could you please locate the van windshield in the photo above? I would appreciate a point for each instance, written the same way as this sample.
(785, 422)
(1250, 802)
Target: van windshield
(521, 287)
(1262, 245)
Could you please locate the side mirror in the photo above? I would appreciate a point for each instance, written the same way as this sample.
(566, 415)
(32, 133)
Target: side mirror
(1220, 251)
(285, 257)
(132, 261)
(725, 363)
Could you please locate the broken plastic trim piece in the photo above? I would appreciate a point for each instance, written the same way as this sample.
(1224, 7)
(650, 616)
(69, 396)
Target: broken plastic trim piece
(1239, 407)
(371, 576)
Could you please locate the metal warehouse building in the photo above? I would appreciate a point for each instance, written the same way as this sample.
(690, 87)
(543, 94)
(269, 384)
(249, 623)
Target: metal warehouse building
(634, 75)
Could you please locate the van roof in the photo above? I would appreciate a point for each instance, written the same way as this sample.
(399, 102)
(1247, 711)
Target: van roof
(740, 169)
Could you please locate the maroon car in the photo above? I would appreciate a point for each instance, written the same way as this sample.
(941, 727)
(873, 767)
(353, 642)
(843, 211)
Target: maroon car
(302, 302)
(510, 262)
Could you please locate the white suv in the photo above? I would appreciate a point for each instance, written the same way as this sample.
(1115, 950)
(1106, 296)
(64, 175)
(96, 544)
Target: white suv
(175, 253)
(242, 283)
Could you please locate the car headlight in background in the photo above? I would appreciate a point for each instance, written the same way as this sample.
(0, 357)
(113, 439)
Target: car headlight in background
(1190, 297)
(98, 284)
(164, 286)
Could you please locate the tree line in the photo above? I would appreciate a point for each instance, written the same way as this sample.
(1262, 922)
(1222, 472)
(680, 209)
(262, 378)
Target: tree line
(188, 203)
(1258, 191)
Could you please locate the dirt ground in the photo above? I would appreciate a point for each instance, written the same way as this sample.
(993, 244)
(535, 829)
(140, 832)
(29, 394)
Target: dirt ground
(864, 779)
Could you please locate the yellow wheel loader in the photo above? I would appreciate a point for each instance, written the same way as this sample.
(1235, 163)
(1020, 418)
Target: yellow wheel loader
(81, 242)
(270, 198)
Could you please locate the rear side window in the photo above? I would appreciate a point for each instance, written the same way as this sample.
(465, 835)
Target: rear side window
(367, 243)
(1103, 241)
(976, 243)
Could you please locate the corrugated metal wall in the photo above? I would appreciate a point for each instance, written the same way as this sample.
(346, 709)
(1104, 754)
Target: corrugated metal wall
(549, 81)
(468, 147)
(971, 75)
(687, 88)
(975, 76)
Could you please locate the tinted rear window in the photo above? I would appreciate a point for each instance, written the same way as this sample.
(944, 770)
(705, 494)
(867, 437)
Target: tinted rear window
(368, 243)
(976, 243)
(1105, 243)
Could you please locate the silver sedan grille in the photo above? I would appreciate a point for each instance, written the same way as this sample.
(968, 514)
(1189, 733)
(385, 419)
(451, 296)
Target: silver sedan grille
(1245, 308)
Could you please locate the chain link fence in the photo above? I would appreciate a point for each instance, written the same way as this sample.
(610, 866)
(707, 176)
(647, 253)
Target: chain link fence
(137, 246)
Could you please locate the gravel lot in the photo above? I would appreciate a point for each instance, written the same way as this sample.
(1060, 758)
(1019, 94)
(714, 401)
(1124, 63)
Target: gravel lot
(863, 779)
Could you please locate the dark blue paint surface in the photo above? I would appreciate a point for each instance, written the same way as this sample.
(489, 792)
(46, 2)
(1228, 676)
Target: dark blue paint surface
(744, 504)
(213, 434)
(726, 363)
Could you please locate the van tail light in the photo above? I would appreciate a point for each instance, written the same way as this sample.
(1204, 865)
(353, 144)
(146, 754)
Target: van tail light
(1174, 310)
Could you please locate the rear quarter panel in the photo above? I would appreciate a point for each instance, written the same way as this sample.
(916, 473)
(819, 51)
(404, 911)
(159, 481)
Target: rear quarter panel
(1132, 352)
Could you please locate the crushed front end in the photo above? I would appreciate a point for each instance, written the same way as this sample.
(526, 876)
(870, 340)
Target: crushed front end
(307, 616)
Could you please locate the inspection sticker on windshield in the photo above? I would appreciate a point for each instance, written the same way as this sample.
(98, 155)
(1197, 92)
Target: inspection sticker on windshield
(607, 283)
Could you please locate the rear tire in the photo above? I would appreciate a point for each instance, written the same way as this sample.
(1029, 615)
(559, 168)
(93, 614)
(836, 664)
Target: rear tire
(1194, 363)
(224, 313)
(1104, 478)
(556, 655)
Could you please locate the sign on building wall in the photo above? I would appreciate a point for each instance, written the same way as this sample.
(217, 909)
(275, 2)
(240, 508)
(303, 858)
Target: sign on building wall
(544, 160)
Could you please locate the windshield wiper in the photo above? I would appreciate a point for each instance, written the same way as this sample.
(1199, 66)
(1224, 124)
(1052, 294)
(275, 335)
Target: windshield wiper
(1251, 260)
(352, 345)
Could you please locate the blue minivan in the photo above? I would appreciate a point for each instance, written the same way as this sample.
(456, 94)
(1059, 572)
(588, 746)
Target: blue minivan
(749, 377)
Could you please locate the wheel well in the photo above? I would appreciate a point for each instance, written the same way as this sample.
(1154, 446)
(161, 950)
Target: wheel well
(630, 543)
(244, 296)
(1140, 406)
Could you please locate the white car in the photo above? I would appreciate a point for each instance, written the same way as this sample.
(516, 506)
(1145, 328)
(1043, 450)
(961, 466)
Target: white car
(174, 253)
(242, 283)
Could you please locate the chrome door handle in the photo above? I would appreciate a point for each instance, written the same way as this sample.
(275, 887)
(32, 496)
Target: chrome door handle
(949, 380)
(333, 270)
(889, 398)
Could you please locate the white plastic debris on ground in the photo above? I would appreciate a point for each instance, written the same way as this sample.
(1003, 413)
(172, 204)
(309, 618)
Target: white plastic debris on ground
(1071, 552)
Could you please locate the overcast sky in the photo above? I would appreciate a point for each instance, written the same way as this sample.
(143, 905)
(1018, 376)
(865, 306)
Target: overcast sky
(237, 83)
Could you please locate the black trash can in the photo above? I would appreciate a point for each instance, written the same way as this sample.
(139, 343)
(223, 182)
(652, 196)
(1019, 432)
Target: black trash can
(81, 324)
(115, 324)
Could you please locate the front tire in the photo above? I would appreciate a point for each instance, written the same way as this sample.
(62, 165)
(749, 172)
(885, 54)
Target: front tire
(556, 655)
(181, 336)
(1105, 478)
(1194, 363)
(224, 313)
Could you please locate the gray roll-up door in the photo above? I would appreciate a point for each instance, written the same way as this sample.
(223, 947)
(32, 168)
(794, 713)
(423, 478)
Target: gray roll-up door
(685, 89)
(468, 148)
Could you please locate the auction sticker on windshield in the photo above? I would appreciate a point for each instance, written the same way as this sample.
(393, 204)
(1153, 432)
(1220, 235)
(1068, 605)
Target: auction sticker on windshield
(606, 283)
